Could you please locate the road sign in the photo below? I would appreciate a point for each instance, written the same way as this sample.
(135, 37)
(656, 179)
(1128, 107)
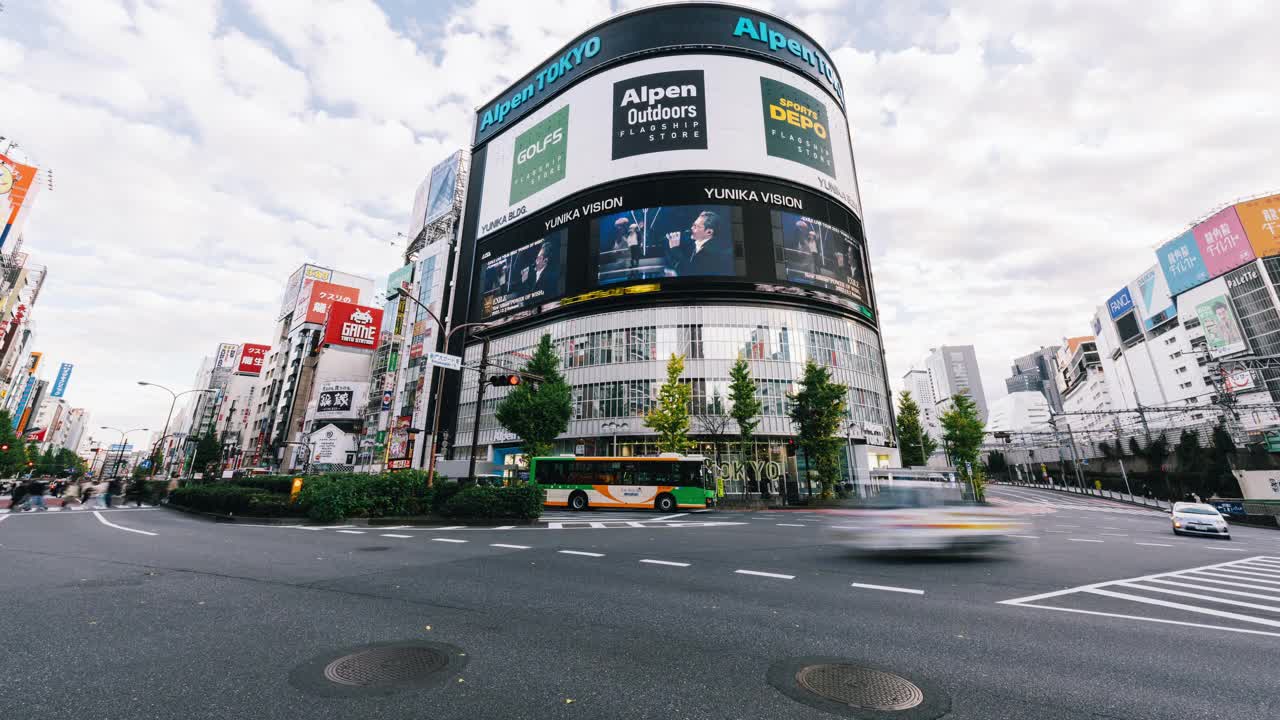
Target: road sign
(445, 360)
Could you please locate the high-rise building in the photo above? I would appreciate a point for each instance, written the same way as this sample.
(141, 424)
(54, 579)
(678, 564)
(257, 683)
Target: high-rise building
(736, 233)
(918, 384)
(1037, 372)
(1021, 411)
(953, 370)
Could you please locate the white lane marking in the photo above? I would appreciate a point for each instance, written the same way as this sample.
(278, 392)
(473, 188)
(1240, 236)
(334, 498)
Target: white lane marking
(1206, 588)
(665, 562)
(887, 588)
(1064, 532)
(789, 525)
(4, 517)
(1083, 540)
(448, 540)
(780, 576)
(846, 527)
(1235, 570)
(580, 552)
(504, 527)
(1067, 526)
(1152, 619)
(1068, 591)
(1267, 564)
(633, 523)
(393, 527)
(104, 521)
(1183, 606)
(395, 535)
(1154, 544)
(509, 547)
(1198, 596)
(452, 527)
(1116, 534)
(352, 532)
(1029, 537)
(669, 517)
(1227, 549)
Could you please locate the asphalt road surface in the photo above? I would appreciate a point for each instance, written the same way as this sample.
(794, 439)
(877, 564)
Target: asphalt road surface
(1100, 612)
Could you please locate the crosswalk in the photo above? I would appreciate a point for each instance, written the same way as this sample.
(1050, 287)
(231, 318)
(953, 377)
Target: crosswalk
(1240, 596)
(607, 516)
(1034, 504)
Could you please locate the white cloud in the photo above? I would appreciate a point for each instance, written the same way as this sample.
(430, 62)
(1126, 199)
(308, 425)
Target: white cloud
(1017, 160)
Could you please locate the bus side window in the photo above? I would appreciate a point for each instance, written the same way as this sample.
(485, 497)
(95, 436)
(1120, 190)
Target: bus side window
(607, 473)
(657, 473)
(549, 472)
(630, 474)
(582, 473)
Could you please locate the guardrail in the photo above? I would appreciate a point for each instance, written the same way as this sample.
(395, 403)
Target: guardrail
(1150, 503)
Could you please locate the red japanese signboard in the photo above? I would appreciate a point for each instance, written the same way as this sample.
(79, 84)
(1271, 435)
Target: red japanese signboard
(314, 308)
(251, 357)
(352, 325)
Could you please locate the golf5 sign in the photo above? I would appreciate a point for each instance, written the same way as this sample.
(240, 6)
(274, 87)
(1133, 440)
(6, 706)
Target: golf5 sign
(351, 325)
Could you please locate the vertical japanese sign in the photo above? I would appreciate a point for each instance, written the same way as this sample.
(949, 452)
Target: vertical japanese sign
(1261, 222)
(1222, 242)
(1151, 296)
(60, 383)
(228, 354)
(1182, 264)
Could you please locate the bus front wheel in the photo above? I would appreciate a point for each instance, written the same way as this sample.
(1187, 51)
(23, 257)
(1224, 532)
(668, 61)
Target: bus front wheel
(578, 501)
(665, 503)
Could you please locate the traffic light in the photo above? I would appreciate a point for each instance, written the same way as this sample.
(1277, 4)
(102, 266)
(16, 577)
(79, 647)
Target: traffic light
(4, 447)
(791, 447)
(504, 380)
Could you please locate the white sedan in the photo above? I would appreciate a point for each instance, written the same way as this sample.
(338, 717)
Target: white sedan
(1199, 519)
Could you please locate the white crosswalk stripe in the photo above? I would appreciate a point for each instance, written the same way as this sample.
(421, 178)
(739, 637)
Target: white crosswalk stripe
(1237, 596)
(1046, 506)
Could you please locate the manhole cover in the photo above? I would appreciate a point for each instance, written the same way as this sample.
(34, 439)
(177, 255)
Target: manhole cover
(855, 688)
(860, 687)
(387, 667)
(379, 668)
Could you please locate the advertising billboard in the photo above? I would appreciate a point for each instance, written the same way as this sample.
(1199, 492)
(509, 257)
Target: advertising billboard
(228, 355)
(639, 119)
(1151, 296)
(33, 362)
(1222, 331)
(252, 356)
(1182, 264)
(294, 286)
(341, 400)
(1222, 242)
(1120, 304)
(526, 275)
(1261, 222)
(330, 445)
(314, 300)
(443, 187)
(354, 326)
(400, 279)
(60, 382)
(16, 181)
(700, 27)
(677, 241)
(812, 252)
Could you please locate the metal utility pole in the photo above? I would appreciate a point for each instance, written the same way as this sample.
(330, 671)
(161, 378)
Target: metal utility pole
(1075, 457)
(475, 425)
(1120, 456)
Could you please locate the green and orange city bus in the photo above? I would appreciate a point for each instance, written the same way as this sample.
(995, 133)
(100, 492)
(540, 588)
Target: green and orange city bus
(665, 483)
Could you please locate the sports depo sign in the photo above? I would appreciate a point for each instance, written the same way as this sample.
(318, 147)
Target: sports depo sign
(351, 325)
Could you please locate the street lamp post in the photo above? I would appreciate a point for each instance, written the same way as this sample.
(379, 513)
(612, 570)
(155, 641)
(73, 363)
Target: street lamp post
(164, 433)
(115, 471)
(615, 426)
(306, 460)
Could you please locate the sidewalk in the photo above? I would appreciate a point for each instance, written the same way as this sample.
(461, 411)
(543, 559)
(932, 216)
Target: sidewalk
(56, 504)
(1151, 503)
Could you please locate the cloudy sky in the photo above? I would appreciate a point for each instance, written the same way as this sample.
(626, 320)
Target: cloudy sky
(1018, 161)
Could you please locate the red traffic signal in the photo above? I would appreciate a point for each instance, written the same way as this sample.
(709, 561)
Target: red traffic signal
(4, 447)
(504, 380)
(30, 464)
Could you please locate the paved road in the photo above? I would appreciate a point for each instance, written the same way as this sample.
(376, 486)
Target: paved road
(150, 613)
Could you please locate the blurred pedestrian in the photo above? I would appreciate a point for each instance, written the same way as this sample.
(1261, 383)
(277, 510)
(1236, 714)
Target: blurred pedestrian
(35, 496)
(17, 492)
(113, 489)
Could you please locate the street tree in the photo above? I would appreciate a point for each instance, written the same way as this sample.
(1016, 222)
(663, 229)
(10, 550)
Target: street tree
(208, 455)
(913, 442)
(1219, 479)
(962, 431)
(13, 452)
(670, 415)
(818, 407)
(538, 411)
(48, 463)
(745, 404)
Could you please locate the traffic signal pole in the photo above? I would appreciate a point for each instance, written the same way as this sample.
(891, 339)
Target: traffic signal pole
(475, 424)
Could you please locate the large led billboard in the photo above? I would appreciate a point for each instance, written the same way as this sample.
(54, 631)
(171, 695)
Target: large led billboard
(1150, 295)
(1182, 264)
(668, 114)
(713, 236)
(1222, 242)
(1261, 222)
(1222, 331)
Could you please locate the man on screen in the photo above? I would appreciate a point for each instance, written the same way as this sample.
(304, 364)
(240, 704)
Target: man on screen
(705, 252)
(1225, 328)
(543, 280)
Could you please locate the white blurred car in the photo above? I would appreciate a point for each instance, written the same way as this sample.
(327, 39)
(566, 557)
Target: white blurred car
(925, 517)
(1199, 519)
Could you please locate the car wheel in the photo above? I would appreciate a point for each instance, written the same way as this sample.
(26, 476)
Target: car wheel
(665, 503)
(1177, 532)
(578, 501)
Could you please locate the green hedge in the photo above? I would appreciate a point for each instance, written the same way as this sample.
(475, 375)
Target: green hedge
(522, 502)
(270, 483)
(341, 495)
(233, 500)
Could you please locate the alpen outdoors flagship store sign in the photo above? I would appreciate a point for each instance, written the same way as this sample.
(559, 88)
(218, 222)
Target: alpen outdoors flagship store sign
(664, 28)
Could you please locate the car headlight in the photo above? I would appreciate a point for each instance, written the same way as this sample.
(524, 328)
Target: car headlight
(1177, 522)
